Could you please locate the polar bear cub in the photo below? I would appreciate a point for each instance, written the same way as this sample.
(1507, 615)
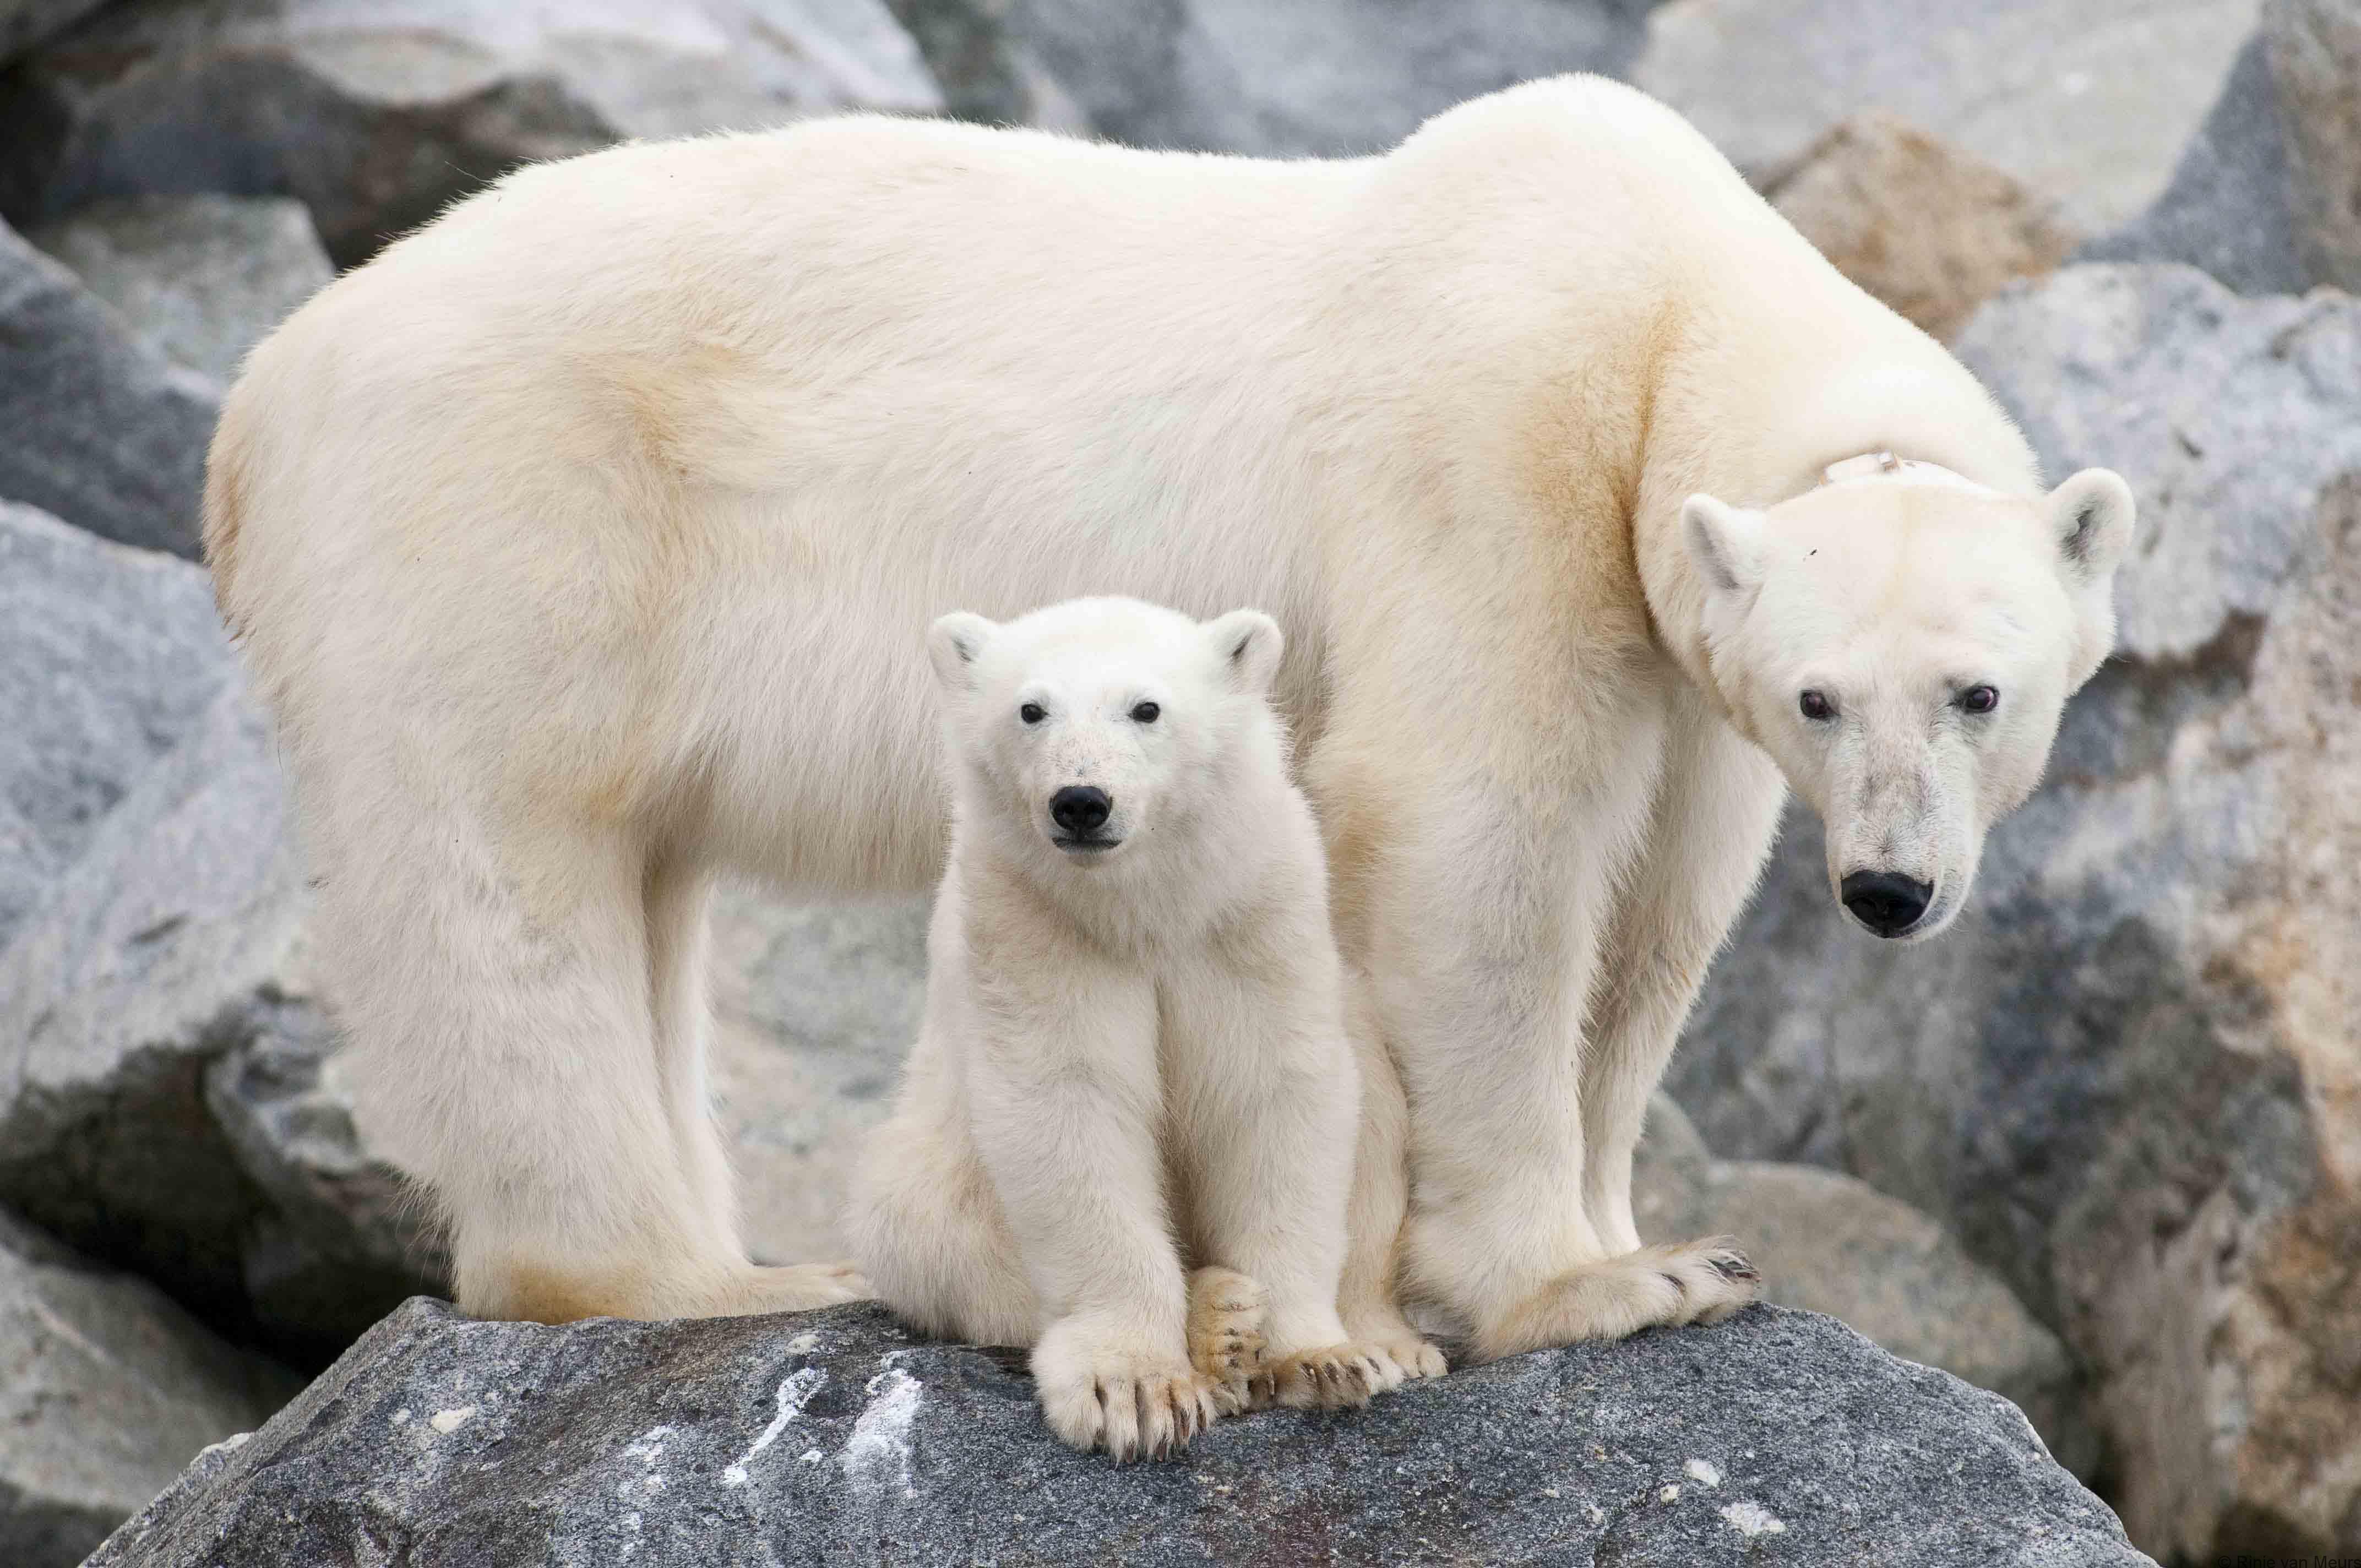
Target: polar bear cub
(1132, 1061)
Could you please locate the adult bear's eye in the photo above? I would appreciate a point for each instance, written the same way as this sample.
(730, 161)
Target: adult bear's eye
(1144, 712)
(1815, 705)
(1032, 713)
(1979, 699)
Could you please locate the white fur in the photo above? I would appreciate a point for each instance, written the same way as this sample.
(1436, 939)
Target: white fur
(586, 541)
(1124, 1047)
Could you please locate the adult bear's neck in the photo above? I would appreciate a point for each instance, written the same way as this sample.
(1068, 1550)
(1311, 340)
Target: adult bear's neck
(1752, 411)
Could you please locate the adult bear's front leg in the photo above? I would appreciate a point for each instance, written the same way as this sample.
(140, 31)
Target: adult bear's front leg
(1483, 895)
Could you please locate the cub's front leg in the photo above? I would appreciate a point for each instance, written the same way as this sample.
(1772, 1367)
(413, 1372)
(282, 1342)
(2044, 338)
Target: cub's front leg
(1066, 1106)
(1266, 1111)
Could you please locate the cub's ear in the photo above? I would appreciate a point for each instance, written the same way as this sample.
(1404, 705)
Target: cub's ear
(953, 644)
(1725, 542)
(2090, 517)
(1248, 645)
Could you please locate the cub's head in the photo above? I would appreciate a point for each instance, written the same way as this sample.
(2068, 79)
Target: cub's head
(1901, 644)
(1086, 728)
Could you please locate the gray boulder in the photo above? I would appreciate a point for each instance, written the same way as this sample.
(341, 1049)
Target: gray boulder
(987, 72)
(378, 113)
(2090, 105)
(1313, 77)
(162, 1107)
(814, 1007)
(167, 1103)
(106, 1391)
(2315, 52)
(200, 279)
(2227, 209)
(834, 1437)
(2124, 1079)
(24, 23)
(107, 657)
(1829, 1242)
(102, 430)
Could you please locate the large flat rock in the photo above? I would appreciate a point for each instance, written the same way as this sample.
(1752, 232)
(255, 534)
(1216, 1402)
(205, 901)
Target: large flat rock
(834, 1438)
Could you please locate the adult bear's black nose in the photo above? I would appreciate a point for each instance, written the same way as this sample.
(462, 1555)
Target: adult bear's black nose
(1887, 901)
(1080, 809)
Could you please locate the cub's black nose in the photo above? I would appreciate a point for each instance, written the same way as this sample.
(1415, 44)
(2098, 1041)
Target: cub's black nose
(1887, 902)
(1080, 809)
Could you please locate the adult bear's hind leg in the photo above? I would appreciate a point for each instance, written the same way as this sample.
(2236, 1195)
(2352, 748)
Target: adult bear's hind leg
(497, 997)
(676, 900)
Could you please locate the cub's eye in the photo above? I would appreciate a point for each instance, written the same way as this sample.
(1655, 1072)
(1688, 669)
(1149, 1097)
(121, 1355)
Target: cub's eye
(1817, 706)
(1144, 712)
(1032, 713)
(1979, 699)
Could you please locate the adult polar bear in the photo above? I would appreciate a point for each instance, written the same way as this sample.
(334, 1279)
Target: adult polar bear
(586, 541)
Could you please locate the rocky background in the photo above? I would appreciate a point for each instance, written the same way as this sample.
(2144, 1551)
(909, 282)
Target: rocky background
(2098, 1150)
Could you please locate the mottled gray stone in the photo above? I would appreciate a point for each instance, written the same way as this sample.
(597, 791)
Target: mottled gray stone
(814, 1007)
(107, 656)
(833, 1437)
(159, 1104)
(24, 23)
(987, 72)
(200, 279)
(1828, 1243)
(101, 430)
(2315, 54)
(106, 1391)
(1317, 77)
(2227, 209)
(376, 113)
(2126, 1078)
(2090, 105)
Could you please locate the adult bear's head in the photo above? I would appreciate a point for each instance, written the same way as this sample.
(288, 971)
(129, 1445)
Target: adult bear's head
(1901, 641)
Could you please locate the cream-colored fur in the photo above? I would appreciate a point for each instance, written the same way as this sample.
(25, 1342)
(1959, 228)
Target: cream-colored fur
(1132, 1061)
(584, 542)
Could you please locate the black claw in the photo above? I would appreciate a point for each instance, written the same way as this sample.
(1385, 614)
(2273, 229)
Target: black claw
(1671, 1279)
(1733, 1266)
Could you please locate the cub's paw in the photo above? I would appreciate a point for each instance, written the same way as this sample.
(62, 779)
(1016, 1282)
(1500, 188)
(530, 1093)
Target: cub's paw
(1102, 1387)
(1226, 1317)
(1133, 1407)
(1331, 1377)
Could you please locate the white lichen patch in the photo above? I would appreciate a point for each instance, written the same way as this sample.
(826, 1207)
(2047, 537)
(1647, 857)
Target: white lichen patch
(400, 1416)
(1668, 1494)
(1704, 1472)
(878, 1452)
(795, 1392)
(1750, 1519)
(802, 1343)
(229, 1444)
(448, 1422)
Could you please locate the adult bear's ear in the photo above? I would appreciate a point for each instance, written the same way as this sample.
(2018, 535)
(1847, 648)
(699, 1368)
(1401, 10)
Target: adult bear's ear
(2090, 517)
(1248, 643)
(1725, 542)
(953, 644)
